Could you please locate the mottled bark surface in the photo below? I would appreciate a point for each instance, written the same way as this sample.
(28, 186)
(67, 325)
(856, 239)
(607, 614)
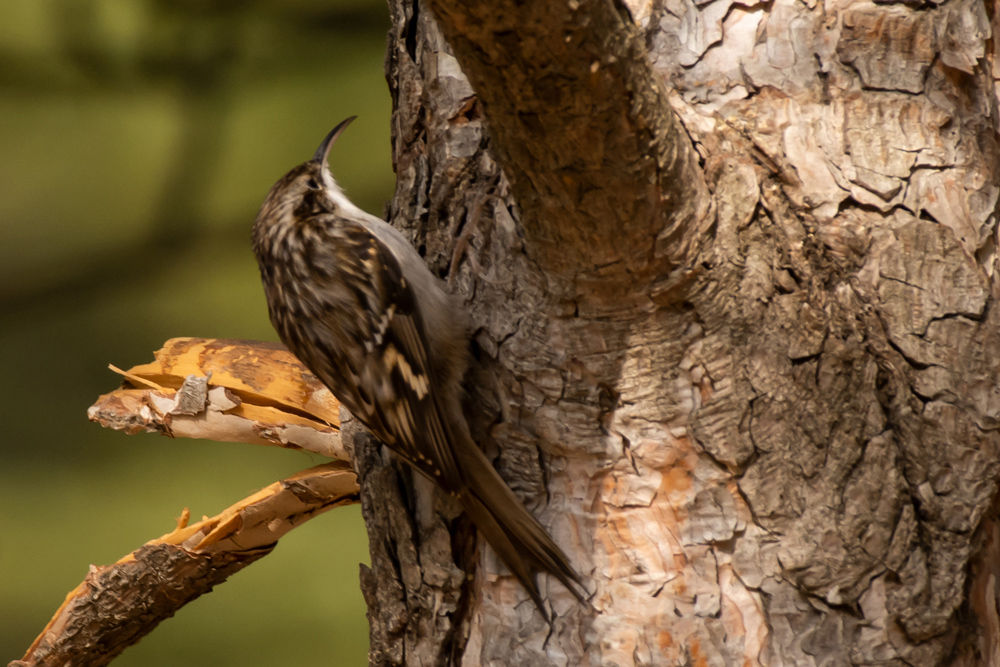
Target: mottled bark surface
(732, 271)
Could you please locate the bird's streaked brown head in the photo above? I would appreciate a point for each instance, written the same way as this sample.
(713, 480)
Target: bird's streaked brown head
(305, 191)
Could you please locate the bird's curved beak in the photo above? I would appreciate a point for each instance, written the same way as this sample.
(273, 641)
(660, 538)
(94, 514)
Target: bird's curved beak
(324, 148)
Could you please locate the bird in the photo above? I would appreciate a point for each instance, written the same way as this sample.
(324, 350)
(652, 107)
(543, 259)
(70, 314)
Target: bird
(353, 300)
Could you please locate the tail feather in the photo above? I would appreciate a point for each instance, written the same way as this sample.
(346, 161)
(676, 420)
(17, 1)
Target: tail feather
(497, 538)
(517, 536)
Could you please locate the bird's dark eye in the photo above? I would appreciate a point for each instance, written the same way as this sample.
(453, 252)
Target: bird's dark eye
(312, 184)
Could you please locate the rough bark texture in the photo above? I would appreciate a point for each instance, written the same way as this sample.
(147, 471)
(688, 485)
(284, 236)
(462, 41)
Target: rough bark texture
(746, 372)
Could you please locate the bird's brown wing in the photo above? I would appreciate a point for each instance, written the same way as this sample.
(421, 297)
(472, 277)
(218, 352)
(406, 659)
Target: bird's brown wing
(386, 382)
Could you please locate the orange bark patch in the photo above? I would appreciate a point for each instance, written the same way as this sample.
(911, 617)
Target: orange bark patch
(676, 479)
(700, 660)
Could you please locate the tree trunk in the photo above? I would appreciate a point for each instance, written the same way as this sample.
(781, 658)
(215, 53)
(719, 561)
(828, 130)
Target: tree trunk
(732, 274)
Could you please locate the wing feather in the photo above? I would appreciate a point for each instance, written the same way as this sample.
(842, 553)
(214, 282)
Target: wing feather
(386, 383)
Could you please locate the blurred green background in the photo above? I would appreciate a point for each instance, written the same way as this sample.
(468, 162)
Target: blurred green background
(138, 139)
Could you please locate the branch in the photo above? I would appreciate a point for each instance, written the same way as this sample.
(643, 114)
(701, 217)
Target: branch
(117, 605)
(603, 171)
(241, 391)
(229, 390)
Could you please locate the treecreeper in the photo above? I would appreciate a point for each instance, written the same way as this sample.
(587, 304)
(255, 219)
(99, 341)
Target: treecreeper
(354, 301)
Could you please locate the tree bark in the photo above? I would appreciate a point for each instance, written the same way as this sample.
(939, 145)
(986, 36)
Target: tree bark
(731, 269)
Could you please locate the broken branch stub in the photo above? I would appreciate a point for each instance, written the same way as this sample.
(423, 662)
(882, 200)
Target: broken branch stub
(229, 390)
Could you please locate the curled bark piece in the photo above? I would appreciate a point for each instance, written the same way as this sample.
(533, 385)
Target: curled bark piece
(117, 605)
(229, 390)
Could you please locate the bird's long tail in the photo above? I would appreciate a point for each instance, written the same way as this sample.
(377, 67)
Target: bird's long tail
(517, 536)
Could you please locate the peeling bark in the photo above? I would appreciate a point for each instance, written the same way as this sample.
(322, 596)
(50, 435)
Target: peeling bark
(228, 390)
